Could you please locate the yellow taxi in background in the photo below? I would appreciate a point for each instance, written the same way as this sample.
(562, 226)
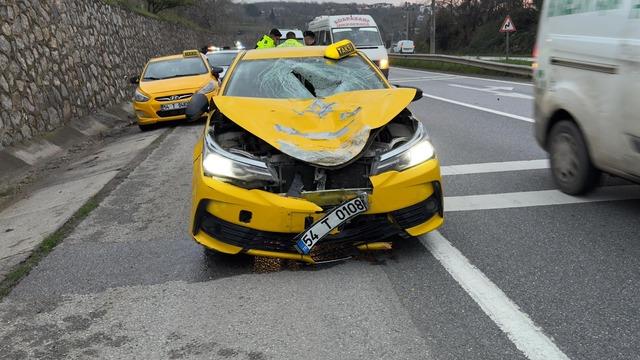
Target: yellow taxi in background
(168, 83)
(311, 154)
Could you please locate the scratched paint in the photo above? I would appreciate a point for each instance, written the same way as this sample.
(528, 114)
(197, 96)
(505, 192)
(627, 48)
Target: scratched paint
(329, 157)
(349, 114)
(318, 107)
(313, 135)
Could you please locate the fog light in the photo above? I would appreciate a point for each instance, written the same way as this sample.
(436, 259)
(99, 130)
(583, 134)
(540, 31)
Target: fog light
(141, 114)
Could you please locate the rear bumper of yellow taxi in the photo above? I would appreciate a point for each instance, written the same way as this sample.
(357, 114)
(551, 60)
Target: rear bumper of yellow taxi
(230, 219)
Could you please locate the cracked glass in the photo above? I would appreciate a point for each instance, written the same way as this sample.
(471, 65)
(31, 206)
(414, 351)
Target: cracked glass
(302, 78)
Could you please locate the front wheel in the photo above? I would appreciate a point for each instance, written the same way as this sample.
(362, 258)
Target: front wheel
(571, 164)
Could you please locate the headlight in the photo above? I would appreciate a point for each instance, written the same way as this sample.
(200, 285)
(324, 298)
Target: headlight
(140, 97)
(412, 153)
(384, 64)
(211, 85)
(232, 168)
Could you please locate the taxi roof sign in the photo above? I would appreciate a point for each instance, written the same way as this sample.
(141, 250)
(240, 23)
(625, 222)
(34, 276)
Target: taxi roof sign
(190, 53)
(339, 50)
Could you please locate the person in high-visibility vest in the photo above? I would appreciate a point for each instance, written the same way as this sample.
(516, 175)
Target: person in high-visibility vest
(269, 41)
(291, 41)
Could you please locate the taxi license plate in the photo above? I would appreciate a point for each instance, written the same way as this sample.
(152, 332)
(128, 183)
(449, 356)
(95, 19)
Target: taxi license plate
(180, 105)
(336, 217)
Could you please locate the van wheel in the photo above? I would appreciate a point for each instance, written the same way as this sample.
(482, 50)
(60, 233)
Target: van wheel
(571, 164)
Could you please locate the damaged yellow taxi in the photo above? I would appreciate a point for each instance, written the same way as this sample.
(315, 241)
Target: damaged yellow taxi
(309, 154)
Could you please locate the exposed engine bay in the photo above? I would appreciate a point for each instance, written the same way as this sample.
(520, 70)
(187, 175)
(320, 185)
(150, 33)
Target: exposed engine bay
(293, 176)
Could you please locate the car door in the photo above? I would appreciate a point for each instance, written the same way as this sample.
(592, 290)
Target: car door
(584, 42)
(629, 120)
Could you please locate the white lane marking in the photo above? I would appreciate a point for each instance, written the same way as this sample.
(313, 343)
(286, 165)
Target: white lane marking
(419, 79)
(519, 328)
(506, 91)
(475, 107)
(538, 198)
(465, 77)
(492, 167)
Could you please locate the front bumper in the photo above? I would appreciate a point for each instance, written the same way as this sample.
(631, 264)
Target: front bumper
(149, 112)
(230, 219)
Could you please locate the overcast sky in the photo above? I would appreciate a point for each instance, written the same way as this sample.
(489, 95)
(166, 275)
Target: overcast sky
(395, 2)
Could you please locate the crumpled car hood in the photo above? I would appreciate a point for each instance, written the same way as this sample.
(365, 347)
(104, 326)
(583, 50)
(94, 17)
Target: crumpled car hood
(325, 132)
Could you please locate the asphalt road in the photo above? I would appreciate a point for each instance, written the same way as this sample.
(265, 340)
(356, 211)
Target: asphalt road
(517, 272)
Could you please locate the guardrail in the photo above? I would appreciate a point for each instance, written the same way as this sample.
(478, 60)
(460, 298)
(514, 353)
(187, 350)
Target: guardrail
(521, 70)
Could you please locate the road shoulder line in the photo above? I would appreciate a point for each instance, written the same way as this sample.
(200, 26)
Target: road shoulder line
(538, 198)
(519, 328)
(493, 167)
(475, 107)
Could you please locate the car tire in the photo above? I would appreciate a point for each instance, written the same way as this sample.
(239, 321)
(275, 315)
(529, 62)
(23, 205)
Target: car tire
(571, 166)
(148, 127)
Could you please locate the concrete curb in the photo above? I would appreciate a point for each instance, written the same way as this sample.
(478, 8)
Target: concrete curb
(55, 205)
(18, 159)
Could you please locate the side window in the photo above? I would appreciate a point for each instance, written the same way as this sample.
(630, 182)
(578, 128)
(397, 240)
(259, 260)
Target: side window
(323, 37)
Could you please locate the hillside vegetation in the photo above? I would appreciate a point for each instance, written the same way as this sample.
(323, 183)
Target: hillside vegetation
(468, 27)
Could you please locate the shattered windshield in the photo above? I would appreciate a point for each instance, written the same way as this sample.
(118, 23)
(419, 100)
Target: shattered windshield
(302, 78)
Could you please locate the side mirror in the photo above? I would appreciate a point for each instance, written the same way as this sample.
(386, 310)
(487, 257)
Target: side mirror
(197, 106)
(418, 94)
(135, 80)
(216, 71)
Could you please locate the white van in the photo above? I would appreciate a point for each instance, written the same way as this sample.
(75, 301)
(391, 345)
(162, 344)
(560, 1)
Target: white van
(360, 29)
(405, 47)
(587, 90)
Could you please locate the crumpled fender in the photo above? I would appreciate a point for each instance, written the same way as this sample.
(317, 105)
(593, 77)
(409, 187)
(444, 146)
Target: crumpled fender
(325, 132)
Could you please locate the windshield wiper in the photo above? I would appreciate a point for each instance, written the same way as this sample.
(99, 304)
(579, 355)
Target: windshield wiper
(151, 78)
(179, 75)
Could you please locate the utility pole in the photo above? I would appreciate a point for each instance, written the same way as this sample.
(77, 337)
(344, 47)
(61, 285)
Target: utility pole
(406, 7)
(432, 41)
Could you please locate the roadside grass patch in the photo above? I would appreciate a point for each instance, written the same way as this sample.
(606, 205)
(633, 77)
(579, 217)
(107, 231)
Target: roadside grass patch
(45, 247)
(447, 67)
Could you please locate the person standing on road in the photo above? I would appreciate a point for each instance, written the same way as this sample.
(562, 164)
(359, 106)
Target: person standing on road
(291, 41)
(269, 41)
(309, 38)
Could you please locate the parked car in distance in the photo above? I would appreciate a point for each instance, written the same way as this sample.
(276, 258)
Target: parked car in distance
(405, 47)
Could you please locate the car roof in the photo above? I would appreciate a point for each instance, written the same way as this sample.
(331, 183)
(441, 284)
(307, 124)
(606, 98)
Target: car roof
(230, 51)
(170, 57)
(274, 53)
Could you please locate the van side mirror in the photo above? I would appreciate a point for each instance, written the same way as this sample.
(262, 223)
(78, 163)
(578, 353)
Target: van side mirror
(418, 94)
(216, 71)
(198, 105)
(135, 80)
